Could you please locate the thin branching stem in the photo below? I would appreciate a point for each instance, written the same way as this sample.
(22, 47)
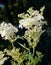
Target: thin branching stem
(33, 50)
(12, 45)
(23, 46)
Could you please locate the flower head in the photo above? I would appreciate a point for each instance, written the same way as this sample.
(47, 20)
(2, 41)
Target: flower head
(8, 31)
(28, 22)
(35, 18)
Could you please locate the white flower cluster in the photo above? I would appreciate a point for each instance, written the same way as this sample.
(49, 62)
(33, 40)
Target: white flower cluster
(26, 22)
(7, 30)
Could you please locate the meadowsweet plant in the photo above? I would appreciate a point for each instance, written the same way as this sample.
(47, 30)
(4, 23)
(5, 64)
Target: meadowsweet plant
(32, 22)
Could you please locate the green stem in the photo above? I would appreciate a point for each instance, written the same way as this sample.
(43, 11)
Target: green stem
(23, 46)
(12, 45)
(33, 50)
(29, 55)
(18, 63)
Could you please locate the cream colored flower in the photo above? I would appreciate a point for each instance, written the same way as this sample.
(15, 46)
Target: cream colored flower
(7, 30)
(26, 22)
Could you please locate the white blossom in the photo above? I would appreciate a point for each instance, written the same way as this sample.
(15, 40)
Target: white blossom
(30, 21)
(3, 60)
(38, 17)
(7, 30)
(26, 22)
